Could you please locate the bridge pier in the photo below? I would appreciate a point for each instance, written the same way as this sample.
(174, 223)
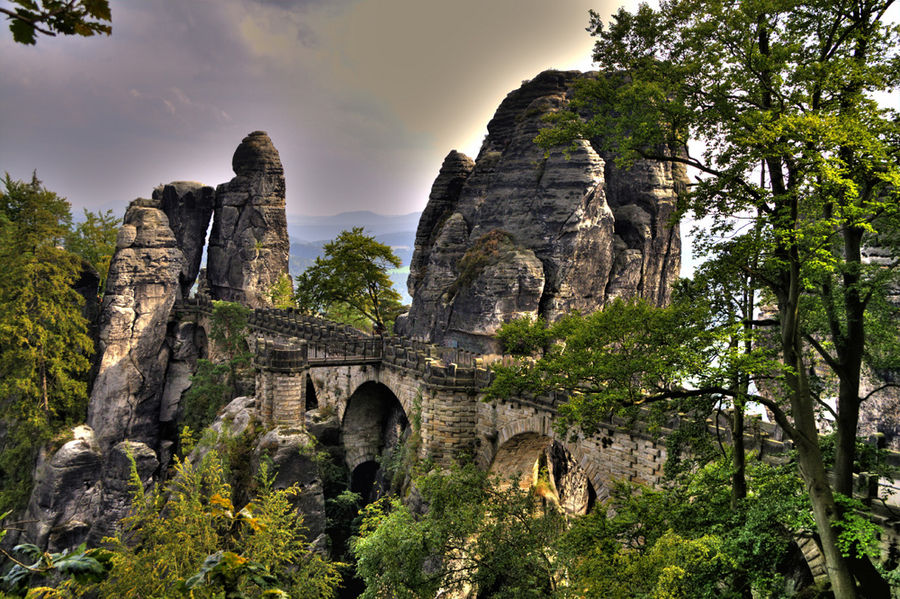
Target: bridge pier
(281, 381)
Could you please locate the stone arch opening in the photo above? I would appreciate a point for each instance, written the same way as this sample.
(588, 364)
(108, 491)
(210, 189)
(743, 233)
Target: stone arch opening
(373, 428)
(312, 401)
(545, 465)
(366, 480)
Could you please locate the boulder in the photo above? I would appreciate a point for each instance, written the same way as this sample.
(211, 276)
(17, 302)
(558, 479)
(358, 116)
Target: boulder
(66, 495)
(117, 490)
(292, 452)
(248, 246)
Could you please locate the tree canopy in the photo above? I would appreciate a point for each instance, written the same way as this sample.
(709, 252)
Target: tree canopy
(28, 18)
(44, 361)
(351, 280)
(800, 170)
(94, 239)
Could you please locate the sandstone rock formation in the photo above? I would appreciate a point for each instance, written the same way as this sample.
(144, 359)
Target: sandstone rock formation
(141, 289)
(579, 230)
(248, 246)
(189, 206)
(66, 495)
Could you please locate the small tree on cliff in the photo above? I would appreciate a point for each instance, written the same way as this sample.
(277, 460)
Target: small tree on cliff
(782, 94)
(215, 382)
(351, 280)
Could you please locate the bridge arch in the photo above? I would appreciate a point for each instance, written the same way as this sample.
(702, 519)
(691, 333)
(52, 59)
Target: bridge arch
(529, 447)
(374, 421)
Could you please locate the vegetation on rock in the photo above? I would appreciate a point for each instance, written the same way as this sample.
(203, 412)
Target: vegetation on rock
(214, 383)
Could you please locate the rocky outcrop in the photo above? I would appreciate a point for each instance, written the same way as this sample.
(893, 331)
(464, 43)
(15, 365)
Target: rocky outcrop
(66, 494)
(189, 207)
(141, 289)
(580, 231)
(116, 491)
(248, 246)
(289, 452)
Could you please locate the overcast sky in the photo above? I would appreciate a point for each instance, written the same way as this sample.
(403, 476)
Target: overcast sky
(362, 98)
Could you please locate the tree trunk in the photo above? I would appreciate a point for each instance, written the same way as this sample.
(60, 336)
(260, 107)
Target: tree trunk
(826, 515)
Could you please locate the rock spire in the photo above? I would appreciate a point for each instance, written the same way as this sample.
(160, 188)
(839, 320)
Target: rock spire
(518, 233)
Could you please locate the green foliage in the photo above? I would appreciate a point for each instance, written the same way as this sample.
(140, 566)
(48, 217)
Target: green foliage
(477, 531)
(625, 355)
(281, 294)
(43, 336)
(488, 250)
(28, 18)
(686, 539)
(525, 336)
(80, 565)
(191, 538)
(208, 393)
(352, 278)
(94, 239)
(228, 330)
(213, 384)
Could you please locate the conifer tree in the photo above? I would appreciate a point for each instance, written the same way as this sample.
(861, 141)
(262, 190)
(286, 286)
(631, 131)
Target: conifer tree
(43, 335)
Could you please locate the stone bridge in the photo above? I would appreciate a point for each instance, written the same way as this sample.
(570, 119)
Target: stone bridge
(378, 386)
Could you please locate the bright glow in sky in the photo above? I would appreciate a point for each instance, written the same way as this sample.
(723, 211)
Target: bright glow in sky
(362, 98)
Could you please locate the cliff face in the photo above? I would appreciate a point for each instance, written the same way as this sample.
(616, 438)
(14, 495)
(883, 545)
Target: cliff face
(576, 231)
(249, 246)
(141, 289)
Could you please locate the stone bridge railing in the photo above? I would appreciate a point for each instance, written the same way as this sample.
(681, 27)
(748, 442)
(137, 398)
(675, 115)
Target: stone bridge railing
(327, 343)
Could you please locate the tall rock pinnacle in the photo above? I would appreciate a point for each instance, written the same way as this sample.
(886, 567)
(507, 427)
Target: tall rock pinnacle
(517, 233)
(249, 246)
(142, 287)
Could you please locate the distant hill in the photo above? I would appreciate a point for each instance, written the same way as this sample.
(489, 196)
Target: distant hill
(308, 234)
(317, 228)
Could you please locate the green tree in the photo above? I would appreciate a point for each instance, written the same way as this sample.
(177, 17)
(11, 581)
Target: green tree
(478, 532)
(352, 279)
(281, 293)
(44, 345)
(94, 239)
(28, 18)
(686, 539)
(782, 93)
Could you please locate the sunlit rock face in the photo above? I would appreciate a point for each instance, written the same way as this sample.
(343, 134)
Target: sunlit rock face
(189, 207)
(578, 231)
(141, 289)
(249, 246)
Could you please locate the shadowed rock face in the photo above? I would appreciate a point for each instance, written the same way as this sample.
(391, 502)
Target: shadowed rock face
(189, 206)
(248, 246)
(581, 231)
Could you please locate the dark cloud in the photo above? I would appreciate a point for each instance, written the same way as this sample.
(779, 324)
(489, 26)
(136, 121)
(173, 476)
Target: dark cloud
(363, 98)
